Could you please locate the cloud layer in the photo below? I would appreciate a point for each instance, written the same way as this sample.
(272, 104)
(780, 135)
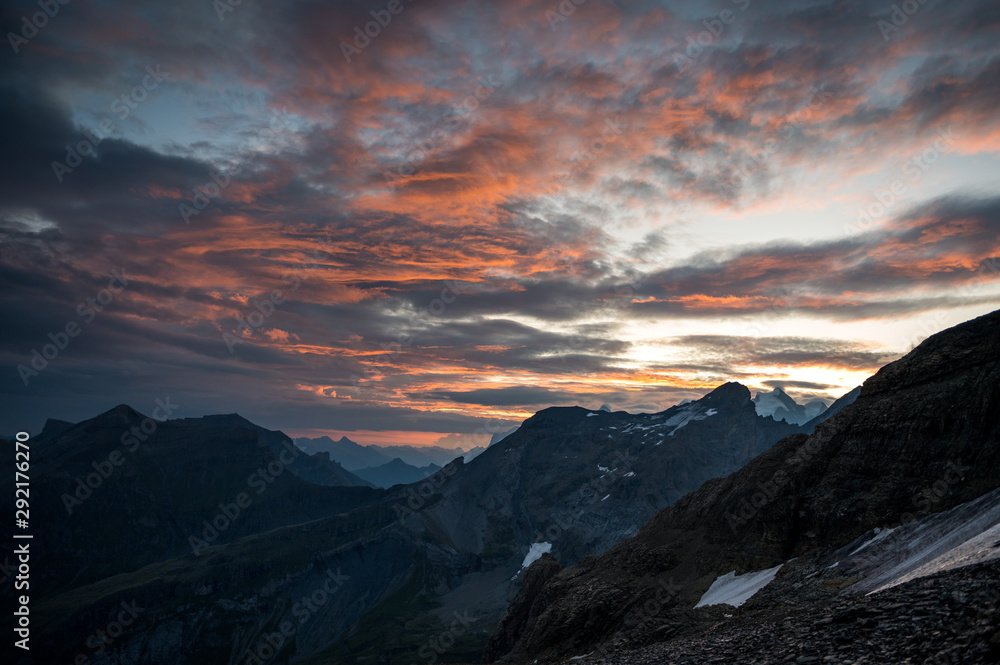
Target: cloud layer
(477, 210)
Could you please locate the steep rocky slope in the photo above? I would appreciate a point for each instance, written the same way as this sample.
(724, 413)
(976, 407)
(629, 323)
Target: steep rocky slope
(951, 617)
(410, 560)
(872, 465)
(121, 490)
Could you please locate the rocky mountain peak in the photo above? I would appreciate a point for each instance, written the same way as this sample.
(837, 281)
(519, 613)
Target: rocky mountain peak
(892, 456)
(731, 392)
(122, 415)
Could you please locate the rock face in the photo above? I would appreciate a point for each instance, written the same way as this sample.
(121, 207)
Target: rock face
(519, 615)
(121, 490)
(585, 480)
(411, 561)
(835, 408)
(888, 457)
(949, 618)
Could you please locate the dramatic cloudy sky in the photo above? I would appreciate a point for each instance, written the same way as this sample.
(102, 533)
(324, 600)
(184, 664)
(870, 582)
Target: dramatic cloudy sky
(487, 208)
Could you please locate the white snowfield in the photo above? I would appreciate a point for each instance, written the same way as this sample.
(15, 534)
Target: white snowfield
(886, 557)
(984, 547)
(685, 416)
(733, 589)
(535, 553)
(965, 535)
(880, 534)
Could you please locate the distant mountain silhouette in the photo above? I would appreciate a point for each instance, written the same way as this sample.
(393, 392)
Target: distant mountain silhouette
(780, 406)
(396, 472)
(354, 456)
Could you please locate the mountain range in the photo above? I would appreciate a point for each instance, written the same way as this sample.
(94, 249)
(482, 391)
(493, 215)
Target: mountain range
(890, 460)
(396, 472)
(780, 406)
(354, 456)
(602, 534)
(455, 542)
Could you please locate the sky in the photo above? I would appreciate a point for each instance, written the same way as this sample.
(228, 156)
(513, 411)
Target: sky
(420, 221)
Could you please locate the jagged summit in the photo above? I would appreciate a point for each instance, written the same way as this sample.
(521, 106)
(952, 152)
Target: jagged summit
(732, 391)
(122, 415)
(781, 406)
(891, 457)
(54, 427)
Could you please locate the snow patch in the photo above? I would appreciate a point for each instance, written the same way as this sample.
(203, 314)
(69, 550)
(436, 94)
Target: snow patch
(535, 553)
(879, 535)
(629, 474)
(591, 415)
(974, 550)
(934, 543)
(605, 498)
(733, 589)
(686, 416)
